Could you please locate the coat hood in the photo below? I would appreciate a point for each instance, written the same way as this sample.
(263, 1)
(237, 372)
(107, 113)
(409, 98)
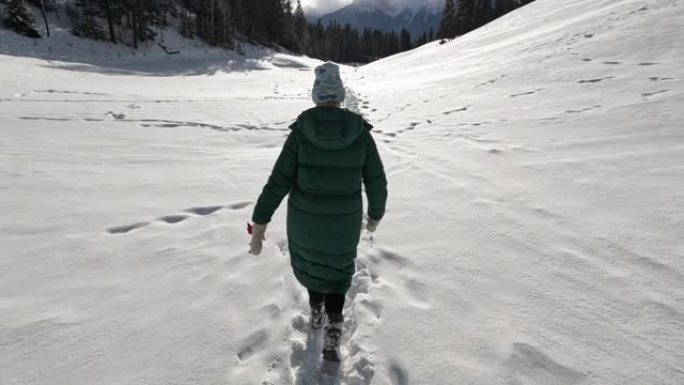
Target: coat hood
(330, 128)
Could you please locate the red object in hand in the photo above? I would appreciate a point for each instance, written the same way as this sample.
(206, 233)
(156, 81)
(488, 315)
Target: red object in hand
(250, 229)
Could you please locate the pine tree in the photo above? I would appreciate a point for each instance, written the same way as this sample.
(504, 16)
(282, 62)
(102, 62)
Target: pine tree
(287, 35)
(83, 20)
(405, 40)
(505, 6)
(141, 15)
(301, 28)
(447, 27)
(483, 13)
(394, 43)
(43, 11)
(366, 45)
(226, 25)
(187, 27)
(113, 11)
(20, 19)
(423, 39)
(465, 17)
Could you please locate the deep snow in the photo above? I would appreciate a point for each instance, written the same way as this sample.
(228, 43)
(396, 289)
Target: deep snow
(534, 232)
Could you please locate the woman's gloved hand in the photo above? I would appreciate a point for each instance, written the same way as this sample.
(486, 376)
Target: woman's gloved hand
(371, 224)
(258, 233)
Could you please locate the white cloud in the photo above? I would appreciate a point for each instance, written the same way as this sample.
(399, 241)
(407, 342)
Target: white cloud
(321, 7)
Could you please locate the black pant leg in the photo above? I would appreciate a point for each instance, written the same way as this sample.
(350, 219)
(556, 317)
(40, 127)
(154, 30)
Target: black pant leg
(316, 299)
(334, 303)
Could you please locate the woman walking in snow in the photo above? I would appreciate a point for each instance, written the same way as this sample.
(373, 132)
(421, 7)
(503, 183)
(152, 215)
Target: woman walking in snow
(325, 159)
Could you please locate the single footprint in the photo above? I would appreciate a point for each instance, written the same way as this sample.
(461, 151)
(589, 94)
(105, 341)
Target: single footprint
(392, 257)
(647, 94)
(397, 374)
(172, 219)
(456, 110)
(252, 344)
(204, 210)
(526, 93)
(416, 292)
(595, 80)
(530, 360)
(49, 119)
(116, 116)
(272, 310)
(365, 368)
(298, 357)
(373, 306)
(300, 323)
(126, 229)
(239, 205)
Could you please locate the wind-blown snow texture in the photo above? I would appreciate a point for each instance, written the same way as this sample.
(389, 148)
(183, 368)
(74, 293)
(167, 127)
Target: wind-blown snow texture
(534, 232)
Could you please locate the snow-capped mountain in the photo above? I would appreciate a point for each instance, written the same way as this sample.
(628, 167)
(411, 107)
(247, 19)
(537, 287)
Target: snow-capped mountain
(393, 7)
(390, 16)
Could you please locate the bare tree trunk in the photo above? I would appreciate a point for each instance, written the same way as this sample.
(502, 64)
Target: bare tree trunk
(90, 19)
(110, 22)
(212, 23)
(42, 9)
(57, 10)
(134, 27)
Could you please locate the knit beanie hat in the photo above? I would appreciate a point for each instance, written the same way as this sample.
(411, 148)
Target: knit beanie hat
(328, 87)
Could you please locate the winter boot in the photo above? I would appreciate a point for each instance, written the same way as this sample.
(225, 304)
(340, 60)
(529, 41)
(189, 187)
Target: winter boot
(333, 334)
(317, 316)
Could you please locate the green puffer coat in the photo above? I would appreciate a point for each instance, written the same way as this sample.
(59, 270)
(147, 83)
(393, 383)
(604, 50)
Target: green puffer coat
(326, 157)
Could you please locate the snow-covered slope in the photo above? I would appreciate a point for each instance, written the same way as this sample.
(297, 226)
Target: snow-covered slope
(534, 233)
(168, 53)
(539, 192)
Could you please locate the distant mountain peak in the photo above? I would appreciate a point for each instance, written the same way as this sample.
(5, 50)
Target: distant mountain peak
(418, 17)
(386, 7)
(394, 7)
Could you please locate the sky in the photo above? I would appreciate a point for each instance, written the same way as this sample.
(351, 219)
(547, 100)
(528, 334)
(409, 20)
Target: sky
(322, 7)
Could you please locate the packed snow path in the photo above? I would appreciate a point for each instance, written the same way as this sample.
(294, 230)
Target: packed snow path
(534, 233)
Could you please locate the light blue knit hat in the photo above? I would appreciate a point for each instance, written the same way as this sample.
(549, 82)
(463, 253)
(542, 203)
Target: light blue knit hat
(328, 87)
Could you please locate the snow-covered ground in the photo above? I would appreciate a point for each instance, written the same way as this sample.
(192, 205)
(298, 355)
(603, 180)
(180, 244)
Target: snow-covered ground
(535, 230)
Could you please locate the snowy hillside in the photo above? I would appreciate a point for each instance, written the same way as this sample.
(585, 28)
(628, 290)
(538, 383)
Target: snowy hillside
(168, 48)
(534, 234)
